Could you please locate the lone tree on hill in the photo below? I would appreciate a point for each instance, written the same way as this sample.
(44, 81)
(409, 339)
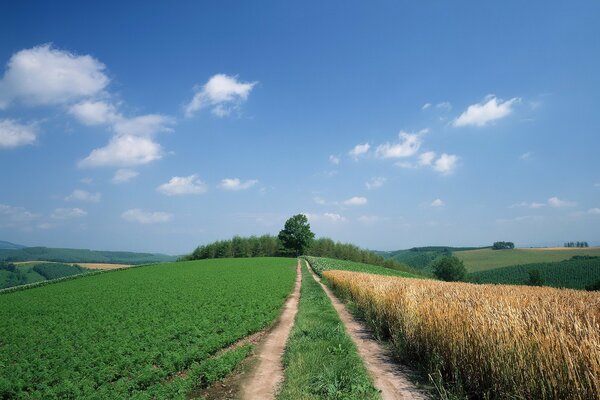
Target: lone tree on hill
(296, 235)
(449, 268)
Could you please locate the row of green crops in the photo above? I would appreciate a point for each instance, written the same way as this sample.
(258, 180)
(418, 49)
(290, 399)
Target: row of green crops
(58, 270)
(120, 334)
(573, 274)
(320, 264)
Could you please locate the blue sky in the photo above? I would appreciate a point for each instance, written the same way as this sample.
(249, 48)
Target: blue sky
(390, 124)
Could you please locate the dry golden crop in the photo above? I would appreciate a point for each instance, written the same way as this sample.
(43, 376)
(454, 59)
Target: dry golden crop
(496, 341)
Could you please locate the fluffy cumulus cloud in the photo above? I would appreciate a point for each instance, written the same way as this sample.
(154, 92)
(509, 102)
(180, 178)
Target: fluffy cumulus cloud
(446, 163)
(489, 110)
(146, 217)
(124, 151)
(408, 145)
(437, 203)
(355, 201)
(14, 134)
(375, 183)
(359, 150)
(235, 184)
(94, 112)
(124, 175)
(68, 213)
(44, 75)
(222, 93)
(182, 185)
(426, 159)
(83, 195)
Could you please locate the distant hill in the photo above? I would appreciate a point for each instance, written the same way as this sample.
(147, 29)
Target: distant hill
(422, 257)
(574, 274)
(81, 256)
(9, 246)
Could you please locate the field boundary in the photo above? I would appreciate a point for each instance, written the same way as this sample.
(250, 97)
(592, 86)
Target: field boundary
(385, 371)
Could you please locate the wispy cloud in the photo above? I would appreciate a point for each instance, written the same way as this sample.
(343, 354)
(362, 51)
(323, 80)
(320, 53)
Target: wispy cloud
(222, 93)
(124, 175)
(146, 217)
(14, 134)
(446, 163)
(554, 202)
(235, 184)
(182, 185)
(355, 201)
(558, 203)
(525, 156)
(124, 151)
(326, 217)
(437, 203)
(408, 145)
(489, 110)
(359, 150)
(375, 183)
(334, 159)
(68, 213)
(84, 195)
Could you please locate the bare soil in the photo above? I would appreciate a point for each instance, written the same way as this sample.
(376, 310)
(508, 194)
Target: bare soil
(389, 377)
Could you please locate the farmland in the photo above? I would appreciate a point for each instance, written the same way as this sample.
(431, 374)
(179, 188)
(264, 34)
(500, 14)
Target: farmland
(154, 331)
(22, 274)
(321, 264)
(486, 341)
(573, 274)
(484, 259)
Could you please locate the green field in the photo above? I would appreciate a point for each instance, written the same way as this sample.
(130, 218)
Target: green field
(81, 256)
(321, 361)
(573, 274)
(421, 258)
(148, 332)
(484, 259)
(320, 264)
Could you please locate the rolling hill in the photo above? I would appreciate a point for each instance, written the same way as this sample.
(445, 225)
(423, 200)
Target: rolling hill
(9, 246)
(81, 256)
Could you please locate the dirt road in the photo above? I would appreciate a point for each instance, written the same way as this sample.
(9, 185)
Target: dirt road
(264, 380)
(387, 375)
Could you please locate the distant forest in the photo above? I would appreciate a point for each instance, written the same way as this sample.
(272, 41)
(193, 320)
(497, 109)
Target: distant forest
(80, 256)
(270, 246)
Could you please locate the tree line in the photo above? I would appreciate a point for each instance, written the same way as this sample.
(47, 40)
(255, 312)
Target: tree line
(577, 244)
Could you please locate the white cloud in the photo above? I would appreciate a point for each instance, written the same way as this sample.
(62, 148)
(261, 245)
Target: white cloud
(359, 150)
(409, 144)
(146, 217)
(369, 219)
(43, 75)
(375, 183)
(68, 213)
(223, 93)
(446, 163)
(355, 201)
(236, 184)
(335, 160)
(15, 215)
(124, 175)
(86, 180)
(426, 158)
(526, 156)
(558, 203)
(181, 185)
(82, 195)
(437, 203)
(144, 125)
(14, 134)
(328, 217)
(594, 211)
(426, 106)
(525, 204)
(489, 110)
(124, 151)
(94, 113)
(445, 105)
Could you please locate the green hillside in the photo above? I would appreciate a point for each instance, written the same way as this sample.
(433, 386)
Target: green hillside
(573, 274)
(484, 259)
(422, 257)
(320, 264)
(9, 245)
(81, 256)
(14, 275)
(152, 332)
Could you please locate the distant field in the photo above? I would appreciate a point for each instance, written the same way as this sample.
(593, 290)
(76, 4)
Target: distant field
(573, 274)
(421, 258)
(84, 265)
(36, 271)
(321, 264)
(148, 332)
(484, 259)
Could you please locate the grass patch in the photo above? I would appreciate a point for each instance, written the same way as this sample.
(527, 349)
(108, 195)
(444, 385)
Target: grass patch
(321, 264)
(321, 361)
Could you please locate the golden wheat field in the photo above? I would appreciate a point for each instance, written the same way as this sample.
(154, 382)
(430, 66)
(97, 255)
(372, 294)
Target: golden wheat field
(495, 341)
